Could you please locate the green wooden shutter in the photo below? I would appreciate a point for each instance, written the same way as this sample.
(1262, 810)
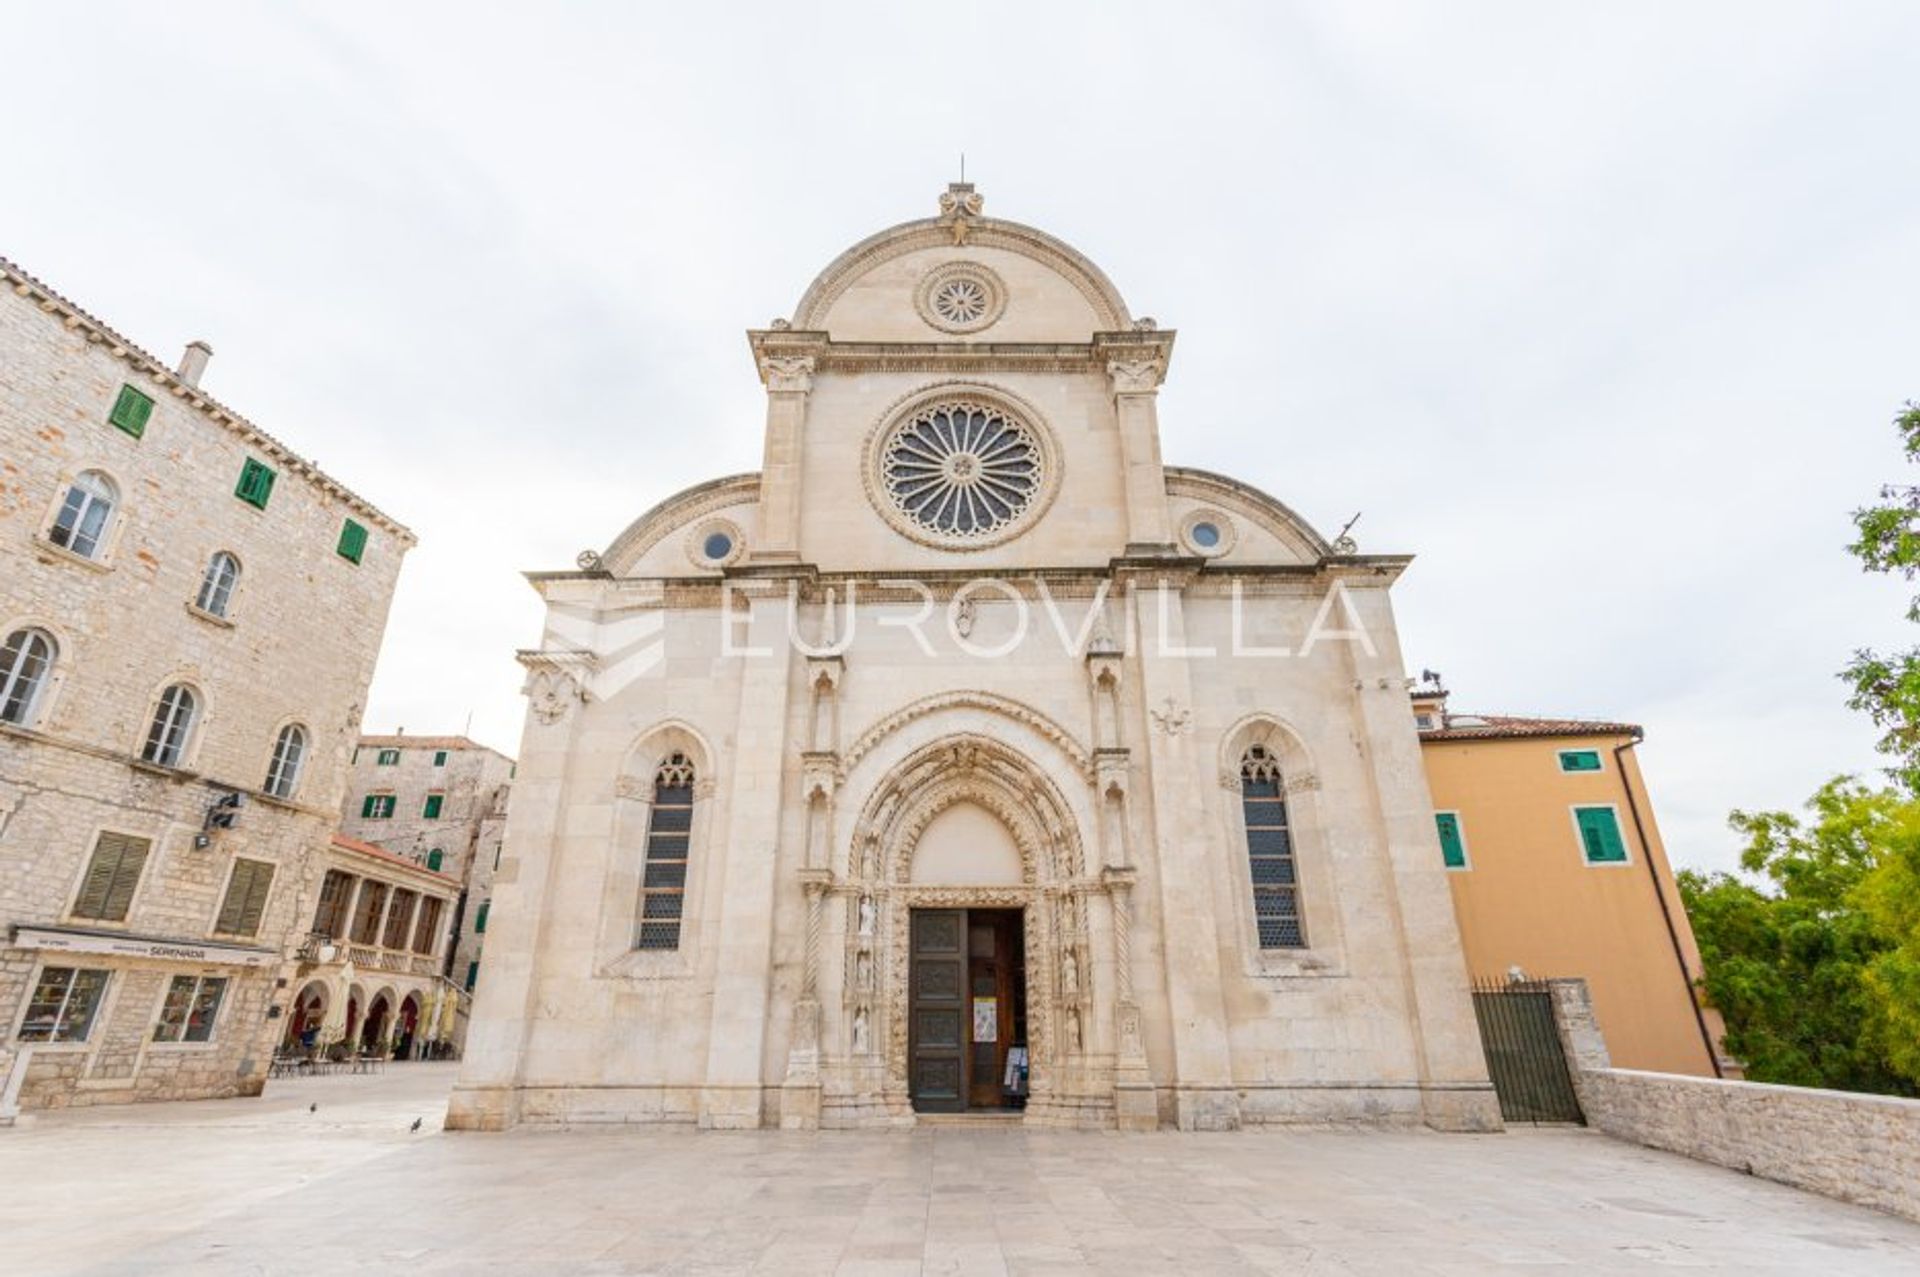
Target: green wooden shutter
(433, 859)
(432, 809)
(1453, 852)
(366, 807)
(440, 758)
(353, 541)
(256, 483)
(1579, 760)
(130, 411)
(480, 918)
(113, 873)
(246, 898)
(1600, 837)
(473, 974)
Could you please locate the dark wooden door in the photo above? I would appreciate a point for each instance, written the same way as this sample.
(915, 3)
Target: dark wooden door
(937, 1011)
(990, 963)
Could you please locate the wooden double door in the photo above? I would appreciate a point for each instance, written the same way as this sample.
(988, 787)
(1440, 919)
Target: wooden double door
(966, 1009)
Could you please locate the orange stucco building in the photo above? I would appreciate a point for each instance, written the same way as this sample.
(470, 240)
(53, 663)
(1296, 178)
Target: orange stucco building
(1557, 869)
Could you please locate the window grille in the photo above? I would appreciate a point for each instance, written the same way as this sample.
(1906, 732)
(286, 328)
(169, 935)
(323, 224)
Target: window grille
(1276, 888)
(664, 882)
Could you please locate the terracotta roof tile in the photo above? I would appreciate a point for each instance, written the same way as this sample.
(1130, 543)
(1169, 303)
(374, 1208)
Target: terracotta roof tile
(424, 742)
(1509, 726)
(374, 849)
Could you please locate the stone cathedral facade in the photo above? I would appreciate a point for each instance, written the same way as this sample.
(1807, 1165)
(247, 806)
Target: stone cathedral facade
(969, 759)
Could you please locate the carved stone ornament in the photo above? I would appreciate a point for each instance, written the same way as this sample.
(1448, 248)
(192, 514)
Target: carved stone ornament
(588, 560)
(960, 204)
(961, 466)
(1135, 376)
(556, 682)
(1171, 720)
(961, 297)
(787, 373)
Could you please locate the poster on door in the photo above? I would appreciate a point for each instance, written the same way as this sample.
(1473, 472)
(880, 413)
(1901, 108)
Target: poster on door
(986, 1019)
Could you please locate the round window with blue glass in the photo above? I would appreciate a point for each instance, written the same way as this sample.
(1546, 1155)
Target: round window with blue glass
(1207, 533)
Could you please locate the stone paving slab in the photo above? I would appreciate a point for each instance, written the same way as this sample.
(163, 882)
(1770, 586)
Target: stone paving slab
(276, 1186)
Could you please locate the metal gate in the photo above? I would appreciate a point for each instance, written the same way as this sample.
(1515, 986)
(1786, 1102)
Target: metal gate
(1524, 1054)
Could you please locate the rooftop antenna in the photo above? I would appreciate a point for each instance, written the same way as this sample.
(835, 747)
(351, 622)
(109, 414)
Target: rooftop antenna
(468, 729)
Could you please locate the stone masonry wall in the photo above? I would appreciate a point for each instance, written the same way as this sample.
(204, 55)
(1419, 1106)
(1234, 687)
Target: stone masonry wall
(1858, 1148)
(297, 646)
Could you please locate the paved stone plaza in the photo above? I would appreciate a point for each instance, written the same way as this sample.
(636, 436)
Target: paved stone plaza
(267, 1186)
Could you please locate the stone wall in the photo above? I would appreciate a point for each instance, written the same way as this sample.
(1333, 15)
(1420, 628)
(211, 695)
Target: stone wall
(295, 645)
(1858, 1148)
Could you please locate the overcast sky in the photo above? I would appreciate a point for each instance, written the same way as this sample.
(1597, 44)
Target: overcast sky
(1602, 311)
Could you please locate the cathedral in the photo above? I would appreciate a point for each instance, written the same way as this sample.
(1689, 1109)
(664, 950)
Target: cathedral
(970, 760)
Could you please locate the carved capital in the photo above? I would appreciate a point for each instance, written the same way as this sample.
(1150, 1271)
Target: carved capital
(556, 681)
(787, 373)
(1135, 375)
(819, 773)
(1111, 768)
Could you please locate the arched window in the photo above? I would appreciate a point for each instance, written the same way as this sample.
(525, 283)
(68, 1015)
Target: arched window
(669, 829)
(216, 588)
(81, 524)
(289, 752)
(172, 724)
(24, 664)
(1276, 886)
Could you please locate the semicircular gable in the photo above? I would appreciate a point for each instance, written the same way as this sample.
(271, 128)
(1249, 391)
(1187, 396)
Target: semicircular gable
(1053, 284)
(1205, 489)
(675, 515)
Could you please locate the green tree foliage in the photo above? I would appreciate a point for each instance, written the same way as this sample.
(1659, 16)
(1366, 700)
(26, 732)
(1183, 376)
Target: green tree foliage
(1818, 972)
(1887, 687)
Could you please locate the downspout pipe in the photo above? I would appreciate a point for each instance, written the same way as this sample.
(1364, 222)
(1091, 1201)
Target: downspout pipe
(1660, 894)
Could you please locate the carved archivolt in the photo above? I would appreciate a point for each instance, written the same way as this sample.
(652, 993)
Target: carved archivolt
(1051, 894)
(1001, 705)
(1110, 311)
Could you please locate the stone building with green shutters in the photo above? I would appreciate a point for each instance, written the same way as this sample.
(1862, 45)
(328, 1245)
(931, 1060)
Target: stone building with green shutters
(440, 801)
(189, 617)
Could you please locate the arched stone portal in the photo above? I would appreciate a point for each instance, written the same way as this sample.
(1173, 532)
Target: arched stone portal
(957, 791)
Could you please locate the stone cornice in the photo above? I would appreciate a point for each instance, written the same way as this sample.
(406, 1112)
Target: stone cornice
(958, 357)
(99, 334)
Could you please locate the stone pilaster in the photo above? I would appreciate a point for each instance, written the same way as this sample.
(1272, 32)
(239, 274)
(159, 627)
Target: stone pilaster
(486, 1095)
(786, 361)
(743, 935)
(1202, 1081)
(1455, 1092)
(1135, 364)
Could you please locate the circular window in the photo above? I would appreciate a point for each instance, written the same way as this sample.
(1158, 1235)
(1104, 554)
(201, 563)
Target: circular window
(964, 471)
(714, 543)
(1207, 533)
(961, 297)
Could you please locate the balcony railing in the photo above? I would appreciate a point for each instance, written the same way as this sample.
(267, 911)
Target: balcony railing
(321, 949)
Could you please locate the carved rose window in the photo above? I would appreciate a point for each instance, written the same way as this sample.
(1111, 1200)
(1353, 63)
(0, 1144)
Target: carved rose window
(961, 469)
(961, 301)
(961, 297)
